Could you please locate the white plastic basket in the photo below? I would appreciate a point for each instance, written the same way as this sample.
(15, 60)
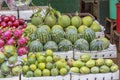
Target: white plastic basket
(67, 77)
(13, 78)
(111, 52)
(100, 76)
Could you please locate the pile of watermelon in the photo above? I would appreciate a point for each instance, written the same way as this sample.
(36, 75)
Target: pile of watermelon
(54, 32)
(60, 32)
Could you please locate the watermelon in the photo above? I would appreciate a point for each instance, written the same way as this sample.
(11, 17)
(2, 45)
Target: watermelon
(88, 34)
(51, 45)
(81, 44)
(106, 42)
(35, 46)
(71, 27)
(57, 27)
(46, 27)
(65, 45)
(57, 34)
(43, 35)
(97, 45)
(71, 35)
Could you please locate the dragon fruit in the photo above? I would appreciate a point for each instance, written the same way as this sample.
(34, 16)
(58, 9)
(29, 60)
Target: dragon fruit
(1, 43)
(7, 34)
(0, 32)
(11, 41)
(22, 41)
(22, 50)
(18, 33)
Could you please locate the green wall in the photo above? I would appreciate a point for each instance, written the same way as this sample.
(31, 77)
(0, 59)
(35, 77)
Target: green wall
(103, 10)
(71, 6)
(65, 6)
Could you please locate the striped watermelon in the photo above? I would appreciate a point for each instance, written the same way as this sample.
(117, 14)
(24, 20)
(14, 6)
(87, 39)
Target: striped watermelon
(71, 27)
(35, 46)
(71, 35)
(88, 34)
(57, 26)
(106, 42)
(81, 44)
(97, 45)
(65, 45)
(45, 27)
(57, 34)
(43, 35)
(51, 45)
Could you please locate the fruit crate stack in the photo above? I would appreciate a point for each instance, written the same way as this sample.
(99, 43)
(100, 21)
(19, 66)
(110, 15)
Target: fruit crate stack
(86, 31)
(55, 46)
(110, 50)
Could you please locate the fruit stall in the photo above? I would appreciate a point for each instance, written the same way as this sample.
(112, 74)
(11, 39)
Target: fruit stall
(43, 43)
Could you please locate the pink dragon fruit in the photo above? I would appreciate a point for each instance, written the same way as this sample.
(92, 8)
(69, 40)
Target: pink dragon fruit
(22, 50)
(7, 34)
(18, 33)
(11, 41)
(22, 41)
(0, 32)
(1, 43)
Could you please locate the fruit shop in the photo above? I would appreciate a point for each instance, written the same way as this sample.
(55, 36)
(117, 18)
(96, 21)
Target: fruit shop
(59, 40)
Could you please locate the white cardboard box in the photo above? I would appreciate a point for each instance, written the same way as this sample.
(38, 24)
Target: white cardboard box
(67, 54)
(99, 76)
(13, 78)
(111, 52)
(67, 77)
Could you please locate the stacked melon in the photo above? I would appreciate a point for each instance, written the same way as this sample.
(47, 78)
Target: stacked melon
(86, 65)
(9, 64)
(60, 32)
(37, 65)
